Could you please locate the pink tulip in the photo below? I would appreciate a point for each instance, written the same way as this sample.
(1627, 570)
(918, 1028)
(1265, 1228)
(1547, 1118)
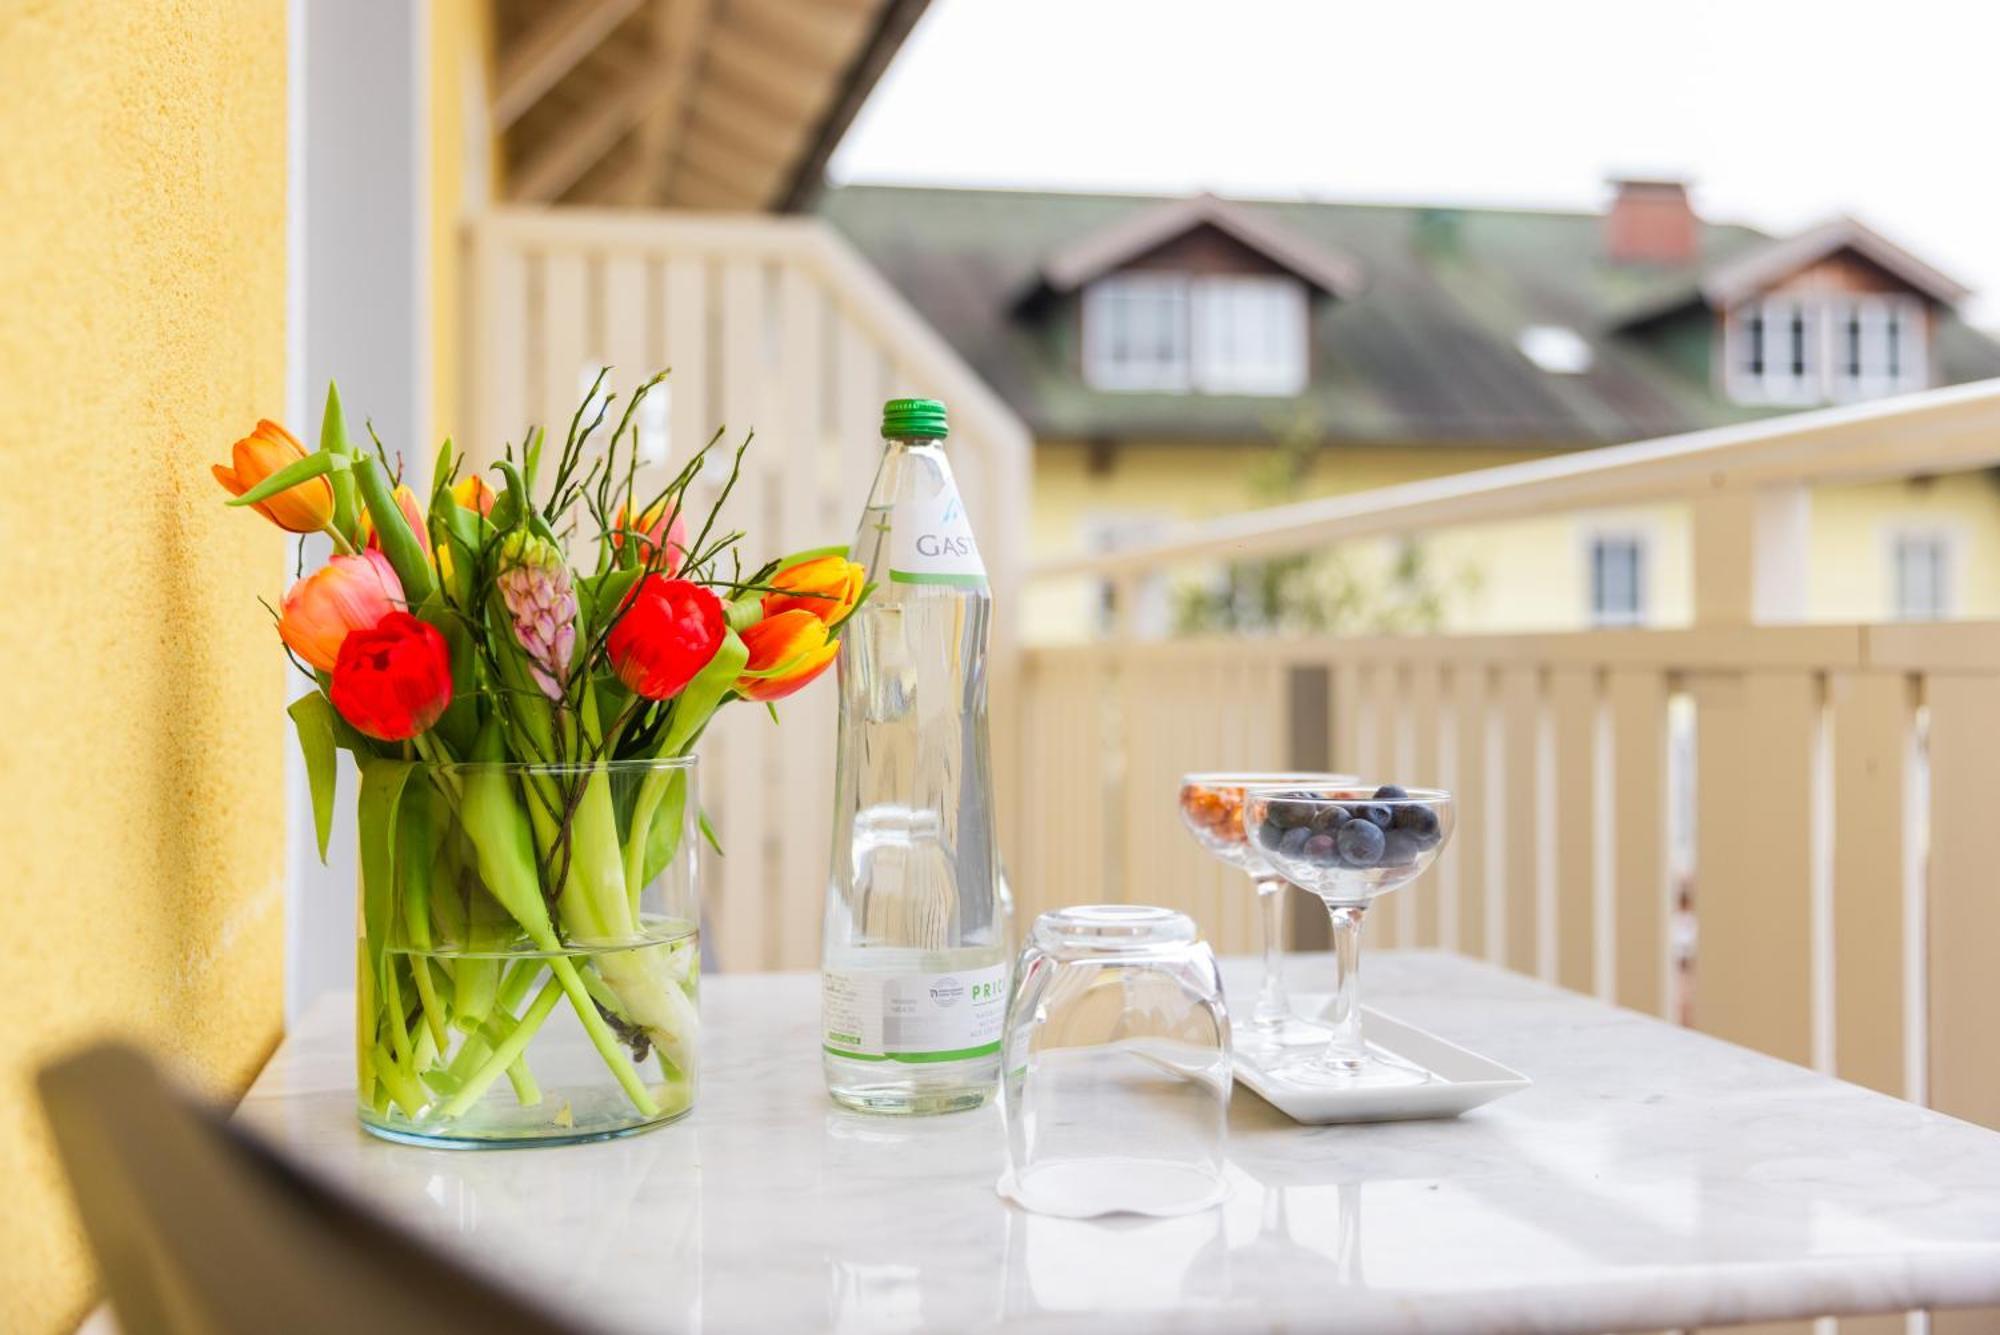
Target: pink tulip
(346, 594)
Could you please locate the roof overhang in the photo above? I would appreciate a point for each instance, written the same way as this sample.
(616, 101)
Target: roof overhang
(1129, 238)
(697, 104)
(1747, 275)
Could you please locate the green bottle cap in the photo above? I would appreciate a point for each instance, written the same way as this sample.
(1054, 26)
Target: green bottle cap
(914, 419)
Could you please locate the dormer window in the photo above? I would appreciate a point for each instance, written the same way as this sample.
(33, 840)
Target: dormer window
(1202, 333)
(1816, 348)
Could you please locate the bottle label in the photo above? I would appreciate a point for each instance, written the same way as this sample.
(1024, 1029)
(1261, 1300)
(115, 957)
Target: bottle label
(913, 1017)
(930, 541)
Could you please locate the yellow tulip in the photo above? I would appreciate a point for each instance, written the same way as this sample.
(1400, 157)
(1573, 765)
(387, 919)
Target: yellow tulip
(826, 586)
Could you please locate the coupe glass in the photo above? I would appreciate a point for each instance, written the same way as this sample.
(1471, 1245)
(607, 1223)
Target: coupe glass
(1348, 844)
(1212, 809)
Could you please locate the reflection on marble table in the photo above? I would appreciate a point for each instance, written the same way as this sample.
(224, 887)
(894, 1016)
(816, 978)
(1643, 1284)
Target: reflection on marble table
(1652, 1177)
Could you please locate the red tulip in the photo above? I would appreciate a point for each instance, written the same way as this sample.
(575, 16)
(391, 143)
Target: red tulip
(792, 646)
(667, 632)
(348, 593)
(393, 680)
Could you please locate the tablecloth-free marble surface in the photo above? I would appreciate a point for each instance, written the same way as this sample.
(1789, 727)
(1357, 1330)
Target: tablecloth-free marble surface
(1651, 1178)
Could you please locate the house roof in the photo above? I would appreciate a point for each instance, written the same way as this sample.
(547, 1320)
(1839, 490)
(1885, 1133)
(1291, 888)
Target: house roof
(722, 104)
(1425, 350)
(1756, 270)
(1119, 243)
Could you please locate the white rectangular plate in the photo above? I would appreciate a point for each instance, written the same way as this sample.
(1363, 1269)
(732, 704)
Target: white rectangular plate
(1464, 1080)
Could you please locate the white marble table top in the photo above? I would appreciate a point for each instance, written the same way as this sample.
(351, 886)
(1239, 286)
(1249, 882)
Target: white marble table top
(1651, 1178)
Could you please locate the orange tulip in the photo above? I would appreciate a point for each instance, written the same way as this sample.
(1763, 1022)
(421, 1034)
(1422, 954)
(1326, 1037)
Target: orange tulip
(659, 525)
(305, 508)
(406, 501)
(793, 645)
(348, 593)
(826, 586)
(472, 493)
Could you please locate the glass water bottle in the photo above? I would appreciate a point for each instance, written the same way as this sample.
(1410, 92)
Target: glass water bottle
(914, 960)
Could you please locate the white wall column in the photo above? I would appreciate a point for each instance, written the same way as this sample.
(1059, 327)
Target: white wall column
(360, 298)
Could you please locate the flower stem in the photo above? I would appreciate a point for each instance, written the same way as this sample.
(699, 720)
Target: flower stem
(602, 1038)
(507, 1052)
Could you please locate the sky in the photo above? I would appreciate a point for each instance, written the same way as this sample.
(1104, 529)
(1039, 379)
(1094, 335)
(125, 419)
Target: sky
(1780, 113)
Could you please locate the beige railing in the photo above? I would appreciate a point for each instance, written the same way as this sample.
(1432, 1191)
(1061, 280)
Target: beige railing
(1827, 792)
(770, 324)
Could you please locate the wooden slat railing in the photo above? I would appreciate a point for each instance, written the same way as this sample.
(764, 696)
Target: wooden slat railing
(1822, 791)
(770, 324)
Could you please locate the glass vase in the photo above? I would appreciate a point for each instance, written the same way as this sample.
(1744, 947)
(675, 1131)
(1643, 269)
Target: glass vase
(528, 962)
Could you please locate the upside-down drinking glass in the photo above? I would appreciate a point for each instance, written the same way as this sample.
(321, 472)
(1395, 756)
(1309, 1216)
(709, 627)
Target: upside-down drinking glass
(1212, 808)
(1115, 1066)
(1348, 844)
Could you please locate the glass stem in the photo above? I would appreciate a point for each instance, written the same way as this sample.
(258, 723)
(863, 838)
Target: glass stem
(1345, 1051)
(1274, 1008)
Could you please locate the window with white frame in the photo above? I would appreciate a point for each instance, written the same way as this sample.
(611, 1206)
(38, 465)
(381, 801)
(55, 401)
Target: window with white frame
(1921, 575)
(1249, 335)
(1211, 334)
(1817, 347)
(1135, 332)
(1618, 579)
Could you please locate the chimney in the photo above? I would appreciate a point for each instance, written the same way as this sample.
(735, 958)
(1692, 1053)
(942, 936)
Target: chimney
(1650, 222)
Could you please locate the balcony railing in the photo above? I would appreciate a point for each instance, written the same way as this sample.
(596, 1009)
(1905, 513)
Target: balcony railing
(772, 324)
(1824, 792)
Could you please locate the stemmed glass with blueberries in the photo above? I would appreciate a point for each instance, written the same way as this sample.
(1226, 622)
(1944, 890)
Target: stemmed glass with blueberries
(1348, 845)
(1211, 806)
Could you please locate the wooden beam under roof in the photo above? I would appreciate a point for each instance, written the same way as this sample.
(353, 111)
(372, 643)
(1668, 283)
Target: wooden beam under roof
(747, 97)
(681, 31)
(556, 45)
(562, 159)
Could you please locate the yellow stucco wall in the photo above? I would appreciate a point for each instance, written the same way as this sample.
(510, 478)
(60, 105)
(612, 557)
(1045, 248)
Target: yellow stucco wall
(142, 327)
(465, 167)
(1531, 574)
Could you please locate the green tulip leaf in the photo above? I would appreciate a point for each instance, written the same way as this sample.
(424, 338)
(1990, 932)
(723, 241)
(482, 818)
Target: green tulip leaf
(312, 715)
(399, 544)
(663, 836)
(382, 783)
(304, 470)
(705, 694)
(333, 441)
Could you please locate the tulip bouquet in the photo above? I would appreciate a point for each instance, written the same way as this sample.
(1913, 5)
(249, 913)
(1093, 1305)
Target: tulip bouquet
(523, 728)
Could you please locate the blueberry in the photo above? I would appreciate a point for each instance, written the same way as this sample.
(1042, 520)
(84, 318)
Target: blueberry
(1289, 811)
(1419, 820)
(1294, 840)
(1400, 848)
(1269, 833)
(1320, 850)
(1391, 792)
(1330, 818)
(1381, 816)
(1360, 843)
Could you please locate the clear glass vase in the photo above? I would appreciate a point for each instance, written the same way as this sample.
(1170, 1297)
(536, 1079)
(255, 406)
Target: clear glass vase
(528, 962)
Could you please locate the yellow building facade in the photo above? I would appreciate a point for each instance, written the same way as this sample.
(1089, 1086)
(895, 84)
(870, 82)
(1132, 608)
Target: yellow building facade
(141, 799)
(1528, 575)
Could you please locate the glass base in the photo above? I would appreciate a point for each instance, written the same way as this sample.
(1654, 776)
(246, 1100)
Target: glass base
(908, 1104)
(1377, 1070)
(1278, 1036)
(496, 1139)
